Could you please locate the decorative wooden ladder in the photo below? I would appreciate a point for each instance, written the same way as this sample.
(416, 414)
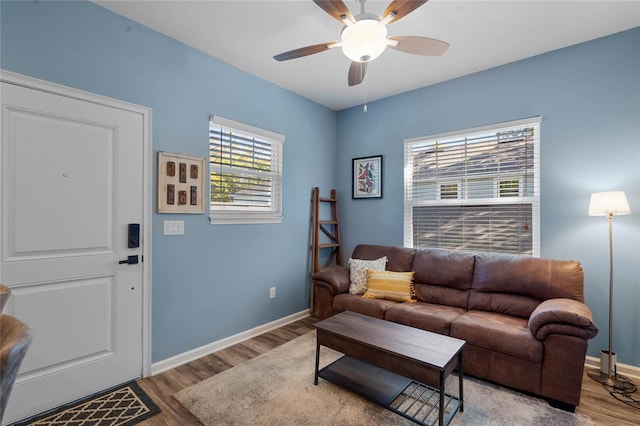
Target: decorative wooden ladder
(330, 234)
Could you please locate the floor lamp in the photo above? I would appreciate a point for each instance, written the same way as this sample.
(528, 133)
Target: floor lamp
(609, 204)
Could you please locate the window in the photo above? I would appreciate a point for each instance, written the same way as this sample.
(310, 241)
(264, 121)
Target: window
(475, 190)
(508, 187)
(245, 166)
(448, 190)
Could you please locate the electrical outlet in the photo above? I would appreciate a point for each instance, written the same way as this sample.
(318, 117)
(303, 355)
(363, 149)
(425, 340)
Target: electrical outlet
(272, 293)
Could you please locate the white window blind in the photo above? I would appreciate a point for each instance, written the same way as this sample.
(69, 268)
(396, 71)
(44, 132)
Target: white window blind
(245, 165)
(475, 190)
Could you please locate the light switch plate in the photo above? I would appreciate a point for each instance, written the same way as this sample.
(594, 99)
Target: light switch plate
(173, 227)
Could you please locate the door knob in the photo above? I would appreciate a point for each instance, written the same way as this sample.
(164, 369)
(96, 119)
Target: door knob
(131, 260)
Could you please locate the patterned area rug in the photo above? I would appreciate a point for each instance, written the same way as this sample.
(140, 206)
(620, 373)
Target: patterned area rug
(125, 406)
(276, 388)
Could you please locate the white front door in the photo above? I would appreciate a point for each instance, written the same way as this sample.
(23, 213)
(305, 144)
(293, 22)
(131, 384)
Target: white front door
(71, 175)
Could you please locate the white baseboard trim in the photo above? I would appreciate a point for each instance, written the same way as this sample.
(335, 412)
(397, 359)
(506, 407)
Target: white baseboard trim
(630, 371)
(193, 354)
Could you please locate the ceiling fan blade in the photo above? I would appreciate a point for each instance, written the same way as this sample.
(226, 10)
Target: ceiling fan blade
(401, 8)
(417, 45)
(336, 8)
(356, 72)
(303, 51)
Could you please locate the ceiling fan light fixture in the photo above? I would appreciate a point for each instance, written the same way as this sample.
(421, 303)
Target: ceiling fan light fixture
(364, 36)
(364, 41)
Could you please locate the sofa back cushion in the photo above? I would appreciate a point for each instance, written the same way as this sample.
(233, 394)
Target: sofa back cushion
(443, 277)
(399, 259)
(516, 284)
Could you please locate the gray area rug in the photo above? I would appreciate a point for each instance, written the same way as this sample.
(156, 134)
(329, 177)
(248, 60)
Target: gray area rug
(277, 388)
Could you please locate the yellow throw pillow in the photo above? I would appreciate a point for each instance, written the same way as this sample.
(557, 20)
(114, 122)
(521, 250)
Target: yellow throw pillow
(389, 285)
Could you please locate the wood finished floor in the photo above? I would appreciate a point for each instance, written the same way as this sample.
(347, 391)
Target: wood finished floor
(595, 401)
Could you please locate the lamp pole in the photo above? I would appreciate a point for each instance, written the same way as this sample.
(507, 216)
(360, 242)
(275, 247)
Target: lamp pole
(597, 375)
(610, 219)
(608, 204)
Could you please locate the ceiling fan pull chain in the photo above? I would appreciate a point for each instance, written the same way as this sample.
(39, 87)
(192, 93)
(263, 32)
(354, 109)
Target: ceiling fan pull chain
(365, 97)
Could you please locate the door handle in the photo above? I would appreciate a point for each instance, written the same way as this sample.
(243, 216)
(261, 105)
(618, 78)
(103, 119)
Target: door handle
(131, 260)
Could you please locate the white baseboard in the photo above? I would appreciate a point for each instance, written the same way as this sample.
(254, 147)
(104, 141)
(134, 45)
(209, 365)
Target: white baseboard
(630, 371)
(193, 354)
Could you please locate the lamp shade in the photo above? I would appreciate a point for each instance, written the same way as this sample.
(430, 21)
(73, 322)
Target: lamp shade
(605, 203)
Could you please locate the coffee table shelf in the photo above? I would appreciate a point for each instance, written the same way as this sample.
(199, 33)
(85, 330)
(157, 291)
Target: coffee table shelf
(408, 398)
(404, 358)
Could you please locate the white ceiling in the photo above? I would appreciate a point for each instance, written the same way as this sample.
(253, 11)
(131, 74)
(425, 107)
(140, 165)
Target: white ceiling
(482, 34)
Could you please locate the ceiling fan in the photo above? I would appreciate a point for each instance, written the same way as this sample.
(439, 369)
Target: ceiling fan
(364, 36)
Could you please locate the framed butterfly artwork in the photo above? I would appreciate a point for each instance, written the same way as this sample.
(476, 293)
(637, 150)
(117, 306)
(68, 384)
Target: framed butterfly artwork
(367, 177)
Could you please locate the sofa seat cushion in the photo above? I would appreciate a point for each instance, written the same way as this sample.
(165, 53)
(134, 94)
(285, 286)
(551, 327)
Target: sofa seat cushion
(498, 332)
(426, 316)
(503, 303)
(356, 303)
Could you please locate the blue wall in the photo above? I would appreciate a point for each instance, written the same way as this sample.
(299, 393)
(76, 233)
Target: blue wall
(210, 283)
(588, 97)
(214, 281)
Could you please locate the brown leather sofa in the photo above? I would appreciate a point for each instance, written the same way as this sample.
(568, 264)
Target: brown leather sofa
(523, 318)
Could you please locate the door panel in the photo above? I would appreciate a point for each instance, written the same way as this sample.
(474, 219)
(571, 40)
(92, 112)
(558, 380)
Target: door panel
(93, 298)
(74, 171)
(71, 173)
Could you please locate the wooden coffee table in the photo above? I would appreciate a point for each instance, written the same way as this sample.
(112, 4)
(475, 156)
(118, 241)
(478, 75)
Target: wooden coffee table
(400, 368)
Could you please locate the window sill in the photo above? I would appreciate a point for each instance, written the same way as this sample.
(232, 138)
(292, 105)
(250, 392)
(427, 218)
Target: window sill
(244, 220)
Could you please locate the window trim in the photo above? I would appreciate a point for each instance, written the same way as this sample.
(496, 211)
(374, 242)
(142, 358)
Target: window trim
(533, 199)
(254, 217)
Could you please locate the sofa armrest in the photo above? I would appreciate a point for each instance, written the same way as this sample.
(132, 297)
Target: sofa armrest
(562, 316)
(327, 283)
(335, 278)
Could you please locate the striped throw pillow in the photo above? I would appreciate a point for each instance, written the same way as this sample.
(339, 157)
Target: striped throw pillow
(390, 285)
